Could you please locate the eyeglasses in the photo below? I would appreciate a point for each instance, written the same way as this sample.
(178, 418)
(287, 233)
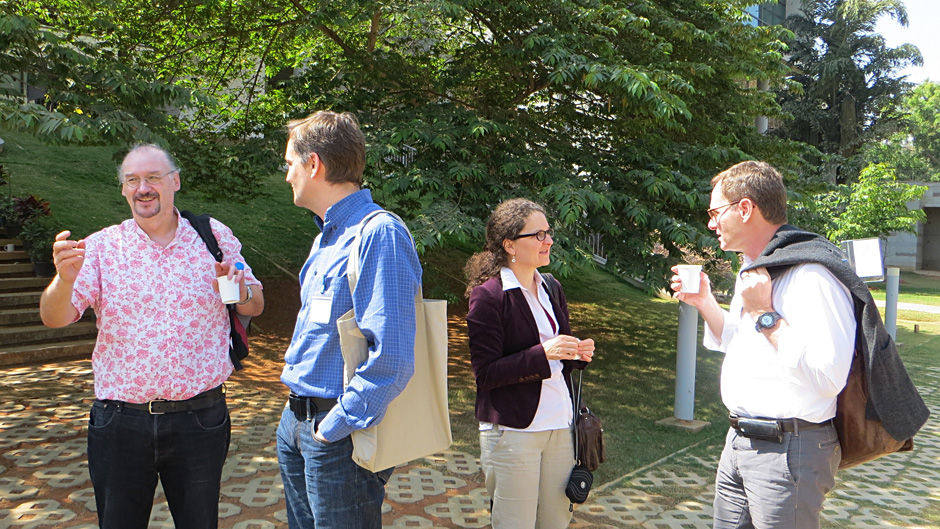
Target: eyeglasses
(539, 235)
(714, 214)
(133, 182)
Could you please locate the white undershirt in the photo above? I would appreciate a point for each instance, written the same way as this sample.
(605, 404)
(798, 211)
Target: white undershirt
(555, 409)
(808, 370)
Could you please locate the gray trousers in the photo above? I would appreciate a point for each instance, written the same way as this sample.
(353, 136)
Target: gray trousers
(769, 485)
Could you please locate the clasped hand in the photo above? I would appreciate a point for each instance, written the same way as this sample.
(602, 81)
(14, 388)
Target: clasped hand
(564, 347)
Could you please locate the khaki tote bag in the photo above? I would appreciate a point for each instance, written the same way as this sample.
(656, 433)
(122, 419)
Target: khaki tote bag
(417, 422)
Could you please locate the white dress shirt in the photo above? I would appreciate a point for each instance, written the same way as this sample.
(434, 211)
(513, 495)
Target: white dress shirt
(804, 375)
(555, 407)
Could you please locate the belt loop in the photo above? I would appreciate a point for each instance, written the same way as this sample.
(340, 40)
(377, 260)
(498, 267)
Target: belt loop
(796, 427)
(307, 411)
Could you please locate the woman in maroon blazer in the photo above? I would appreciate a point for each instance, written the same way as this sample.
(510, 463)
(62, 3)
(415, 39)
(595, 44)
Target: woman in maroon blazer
(522, 352)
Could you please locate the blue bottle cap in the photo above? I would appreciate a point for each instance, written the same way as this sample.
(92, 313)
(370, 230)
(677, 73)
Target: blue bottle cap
(239, 266)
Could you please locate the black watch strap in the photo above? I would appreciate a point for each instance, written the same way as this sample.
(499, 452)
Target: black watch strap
(767, 320)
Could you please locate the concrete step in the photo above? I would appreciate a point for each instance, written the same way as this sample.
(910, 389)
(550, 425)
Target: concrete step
(19, 299)
(8, 269)
(21, 316)
(10, 284)
(34, 334)
(46, 352)
(18, 255)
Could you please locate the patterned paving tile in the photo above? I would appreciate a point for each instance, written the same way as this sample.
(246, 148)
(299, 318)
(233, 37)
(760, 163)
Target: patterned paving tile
(471, 510)
(456, 462)
(629, 506)
(419, 483)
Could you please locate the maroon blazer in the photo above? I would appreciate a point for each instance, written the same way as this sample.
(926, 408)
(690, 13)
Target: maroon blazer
(506, 354)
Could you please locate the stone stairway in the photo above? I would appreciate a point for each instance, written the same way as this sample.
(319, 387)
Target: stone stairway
(23, 337)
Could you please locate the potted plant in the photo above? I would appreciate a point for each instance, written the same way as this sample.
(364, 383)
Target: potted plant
(6, 202)
(24, 209)
(38, 235)
(6, 212)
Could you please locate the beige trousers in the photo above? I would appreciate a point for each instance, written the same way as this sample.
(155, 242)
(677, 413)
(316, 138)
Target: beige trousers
(526, 473)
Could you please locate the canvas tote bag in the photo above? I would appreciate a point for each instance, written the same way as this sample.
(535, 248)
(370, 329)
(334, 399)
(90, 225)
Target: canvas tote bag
(417, 422)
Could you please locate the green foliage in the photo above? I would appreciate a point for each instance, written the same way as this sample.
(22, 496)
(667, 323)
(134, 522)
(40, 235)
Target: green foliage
(875, 206)
(849, 83)
(92, 92)
(612, 113)
(38, 235)
(224, 169)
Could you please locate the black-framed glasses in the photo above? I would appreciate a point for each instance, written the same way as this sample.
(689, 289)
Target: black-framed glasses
(714, 213)
(539, 235)
(133, 182)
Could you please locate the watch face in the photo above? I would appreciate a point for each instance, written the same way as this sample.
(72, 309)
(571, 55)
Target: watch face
(766, 320)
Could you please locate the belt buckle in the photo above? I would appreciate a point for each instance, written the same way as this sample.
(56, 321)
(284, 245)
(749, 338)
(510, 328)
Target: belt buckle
(150, 407)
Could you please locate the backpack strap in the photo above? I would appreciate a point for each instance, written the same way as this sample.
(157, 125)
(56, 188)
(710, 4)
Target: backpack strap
(203, 227)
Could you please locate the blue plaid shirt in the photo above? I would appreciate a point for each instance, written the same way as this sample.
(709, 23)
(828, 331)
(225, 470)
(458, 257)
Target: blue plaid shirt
(389, 279)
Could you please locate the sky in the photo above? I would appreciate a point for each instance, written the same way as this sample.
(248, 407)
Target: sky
(923, 25)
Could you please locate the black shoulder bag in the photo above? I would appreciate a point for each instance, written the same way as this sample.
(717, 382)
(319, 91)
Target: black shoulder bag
(238, 342)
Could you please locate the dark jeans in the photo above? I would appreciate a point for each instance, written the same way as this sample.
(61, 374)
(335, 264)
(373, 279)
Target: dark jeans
(129, 449)
(325, 488)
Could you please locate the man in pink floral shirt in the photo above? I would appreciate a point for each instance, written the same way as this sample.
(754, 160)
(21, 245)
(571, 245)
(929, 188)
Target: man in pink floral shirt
(162, 352)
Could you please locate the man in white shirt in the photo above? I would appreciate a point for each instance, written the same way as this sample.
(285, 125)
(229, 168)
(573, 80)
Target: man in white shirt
(788, 345)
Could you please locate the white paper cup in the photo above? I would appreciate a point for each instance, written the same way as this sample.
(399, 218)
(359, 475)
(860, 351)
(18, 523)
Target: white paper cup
(691, 276)
(228, 289)
(10, 247)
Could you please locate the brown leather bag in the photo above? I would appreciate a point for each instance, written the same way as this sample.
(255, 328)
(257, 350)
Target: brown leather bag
(862, 439)
(591, 449)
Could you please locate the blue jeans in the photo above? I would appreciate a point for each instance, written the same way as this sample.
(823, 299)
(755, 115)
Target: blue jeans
(129, 449)
(325, 488)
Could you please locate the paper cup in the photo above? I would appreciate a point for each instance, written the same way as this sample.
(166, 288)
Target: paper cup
(229, 290)
(10, 247)
(691, 276)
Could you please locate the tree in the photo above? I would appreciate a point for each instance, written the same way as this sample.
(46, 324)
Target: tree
(875, 206)
(850, 85)
(613, 113)
(90, 93)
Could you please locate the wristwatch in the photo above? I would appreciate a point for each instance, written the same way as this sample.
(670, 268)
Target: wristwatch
(248, 288)
(767, 320)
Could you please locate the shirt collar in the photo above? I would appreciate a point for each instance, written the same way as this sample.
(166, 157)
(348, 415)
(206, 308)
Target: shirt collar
(341, 212)
(510, 281)
(180, 228)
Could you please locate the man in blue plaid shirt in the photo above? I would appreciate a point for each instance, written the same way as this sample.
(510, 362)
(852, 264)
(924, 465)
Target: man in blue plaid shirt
(324, 487)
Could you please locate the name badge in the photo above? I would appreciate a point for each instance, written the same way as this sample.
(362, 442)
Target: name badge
(319, 311)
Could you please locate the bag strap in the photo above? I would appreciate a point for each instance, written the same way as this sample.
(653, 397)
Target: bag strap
(352, 262)
(552, 286)
(202, 226)
(577, 407)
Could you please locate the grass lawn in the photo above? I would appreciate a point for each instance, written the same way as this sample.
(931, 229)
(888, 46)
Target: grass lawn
(917, 288)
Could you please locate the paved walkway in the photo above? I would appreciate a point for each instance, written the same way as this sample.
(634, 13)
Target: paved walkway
(44, 477)
(932, 309)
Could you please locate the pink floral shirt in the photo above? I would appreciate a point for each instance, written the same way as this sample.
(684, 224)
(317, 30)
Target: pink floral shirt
(162, 330)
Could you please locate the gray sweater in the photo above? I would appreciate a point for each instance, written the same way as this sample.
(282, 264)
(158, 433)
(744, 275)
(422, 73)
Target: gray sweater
(893, 399)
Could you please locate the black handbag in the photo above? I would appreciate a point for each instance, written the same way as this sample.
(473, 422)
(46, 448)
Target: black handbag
(581, 478)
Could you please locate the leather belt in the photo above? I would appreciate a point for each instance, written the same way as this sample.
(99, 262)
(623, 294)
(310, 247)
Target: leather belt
(306, 408)
(787, 425)
(160, 406)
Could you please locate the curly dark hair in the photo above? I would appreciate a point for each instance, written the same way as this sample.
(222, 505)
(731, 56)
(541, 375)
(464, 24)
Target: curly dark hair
(506, 221)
